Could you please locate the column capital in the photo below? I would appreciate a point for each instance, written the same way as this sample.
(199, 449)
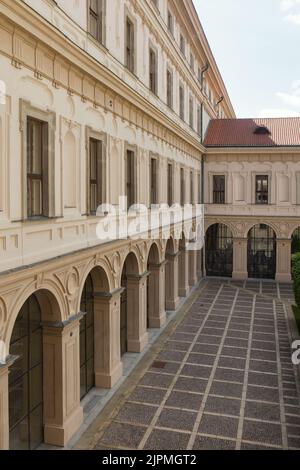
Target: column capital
(138, 277)
(109, 295)
(157, 266)
(64, 323)
(173, 255)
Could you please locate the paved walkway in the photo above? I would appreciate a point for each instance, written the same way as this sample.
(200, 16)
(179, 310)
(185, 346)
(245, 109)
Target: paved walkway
(220, 378)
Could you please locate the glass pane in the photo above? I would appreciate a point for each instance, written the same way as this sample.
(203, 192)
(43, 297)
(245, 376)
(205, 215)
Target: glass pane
(37, 148)
(36, 427)
(34, 313)
(36, 348)
(36, 386)
(93, 197)
(90, 374)
(93, 162)
(21, 325)
(18, 400)
(19, 436)
(20, 366)
(90, 343)
(36, 195)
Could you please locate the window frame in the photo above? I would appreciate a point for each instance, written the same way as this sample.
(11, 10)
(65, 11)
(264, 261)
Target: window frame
(170, 93)
(153, 72)
(133, 150)
(100, 38)
(262, 192)
(191, 112)
(131, 67)
(182, 186)
(170, 188)
(153, 200)
(27, 110)
(181, 102)
(94, 135)
(218, 195)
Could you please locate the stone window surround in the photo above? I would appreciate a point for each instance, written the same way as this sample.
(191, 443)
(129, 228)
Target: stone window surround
(171, 162)
(128, 14)
(28, 109)
(254, 174)
(211, 185)
(102, 137)
(154, 48)
(103, 39)
(134, 149)
(154, 156)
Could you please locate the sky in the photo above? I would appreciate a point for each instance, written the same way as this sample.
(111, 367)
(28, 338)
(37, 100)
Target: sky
(256, 44)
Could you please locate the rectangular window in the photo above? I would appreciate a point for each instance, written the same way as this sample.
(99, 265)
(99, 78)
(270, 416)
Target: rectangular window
(37, 168)
(219, 189)
(96, 175)
(192, 195)
(182, 187)
(262, 189)
(199, 121)
(169, 88)
(153, 181)
(192, 61)
(182, 44)
(191, 113)
(96, 19)
(181, 102)
(170, 184)
(130, 192)
(199, 189)
(170, 23)
(199, 75)
(152, 71)
(129, 46)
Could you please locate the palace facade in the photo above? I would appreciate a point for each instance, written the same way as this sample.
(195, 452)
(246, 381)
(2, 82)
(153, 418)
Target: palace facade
(102, 99)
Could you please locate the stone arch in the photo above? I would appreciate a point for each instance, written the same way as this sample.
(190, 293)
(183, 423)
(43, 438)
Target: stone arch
(133, 261)
(231, 226)
(55, 309)
(269, 223)
(30, 345)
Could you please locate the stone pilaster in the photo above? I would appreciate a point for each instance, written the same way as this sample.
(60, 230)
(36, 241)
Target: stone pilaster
(137, 312)
(199, 264)
(4, 418)
(156, 292)
(183, 284)
(108, 365)
(192, 268)
(63, 414)
(171, 282)
(283, 264)
(240, 269)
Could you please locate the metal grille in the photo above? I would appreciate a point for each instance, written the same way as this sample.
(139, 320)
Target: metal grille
(261, 252)
(219, 251)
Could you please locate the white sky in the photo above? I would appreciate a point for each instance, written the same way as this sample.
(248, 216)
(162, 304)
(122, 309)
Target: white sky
(256, 44)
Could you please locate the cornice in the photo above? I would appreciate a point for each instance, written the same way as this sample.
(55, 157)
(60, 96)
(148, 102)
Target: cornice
(251, 150)
(117, 97)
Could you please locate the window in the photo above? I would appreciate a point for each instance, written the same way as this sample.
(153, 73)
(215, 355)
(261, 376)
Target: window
(192, 61)
(199, 121)
(155, 2)
(199, 75)
(192, 196)
(37, 168)
(170, 184)
(181, 102)
(130, 192)
(182, 44)
(153, 181)
(199, 189)
(152, 71)
(169, 88)
(218, 189)
(129, 45)
(96, 19)
(191, 112)
(262, 189)
(170, 23)
(96, 175)
(182, 187)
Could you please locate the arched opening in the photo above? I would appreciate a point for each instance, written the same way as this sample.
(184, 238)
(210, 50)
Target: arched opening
(261, 252)
(296, 241)
(96, 287)
(87, 334)
(155, 289)
(130, 268)
(28, 394)
(219, 251)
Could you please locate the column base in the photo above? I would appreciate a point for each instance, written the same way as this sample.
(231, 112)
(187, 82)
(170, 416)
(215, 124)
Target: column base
(137, 345)
(103, 380)
(193, 282)
(239, 276)
(284, 277)
(183, 292)
(155, 322)
(172, 304)
(60, 435)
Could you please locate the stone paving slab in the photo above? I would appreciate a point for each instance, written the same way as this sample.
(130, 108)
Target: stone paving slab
(227, 381)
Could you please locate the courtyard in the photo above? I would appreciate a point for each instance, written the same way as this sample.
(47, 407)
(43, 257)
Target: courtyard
(219, 377)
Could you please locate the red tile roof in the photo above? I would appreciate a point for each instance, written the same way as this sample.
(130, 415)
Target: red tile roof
(284, 132)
